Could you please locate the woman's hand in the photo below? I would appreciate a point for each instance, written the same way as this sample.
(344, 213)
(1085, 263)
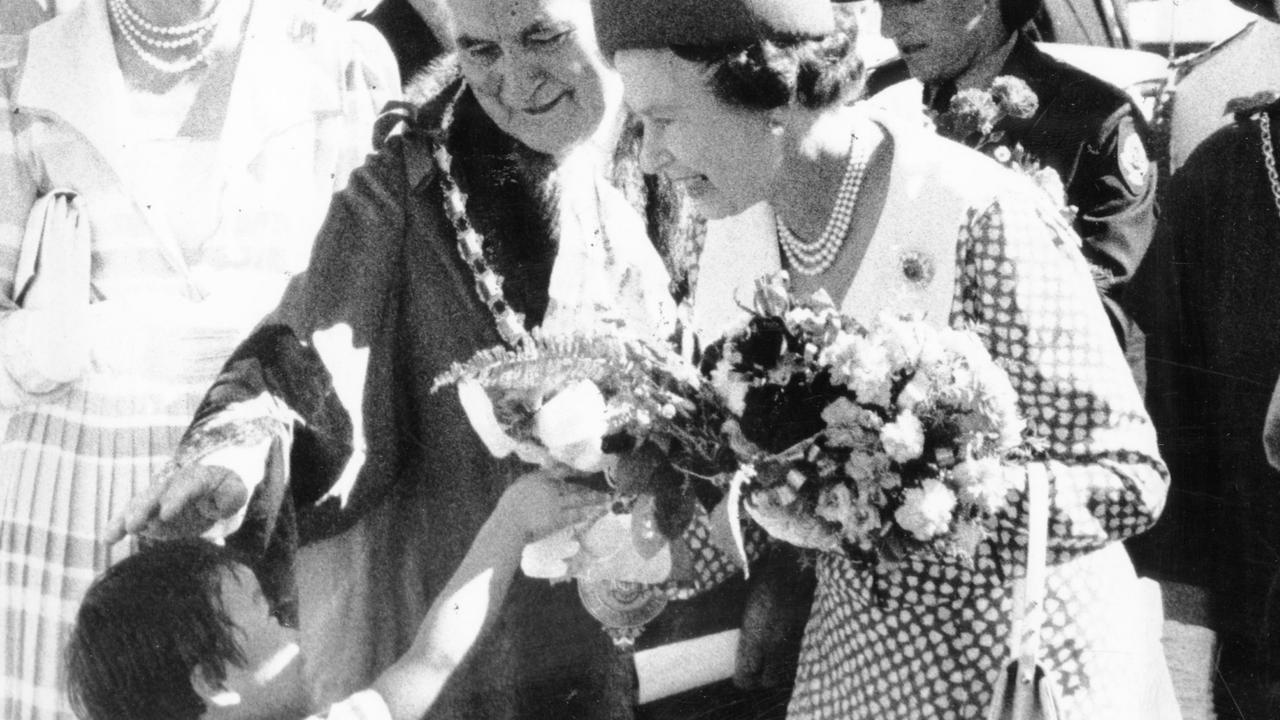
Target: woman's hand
(542, 502)
(205, 498)
(56, 296)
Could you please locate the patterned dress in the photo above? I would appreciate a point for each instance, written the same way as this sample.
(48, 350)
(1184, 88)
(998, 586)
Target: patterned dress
(929, 639)
(193, 238)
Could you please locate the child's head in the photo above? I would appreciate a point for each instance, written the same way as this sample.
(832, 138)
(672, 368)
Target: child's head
(181, 631)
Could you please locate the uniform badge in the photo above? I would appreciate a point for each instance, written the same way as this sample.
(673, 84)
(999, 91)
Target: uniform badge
(1133, 161)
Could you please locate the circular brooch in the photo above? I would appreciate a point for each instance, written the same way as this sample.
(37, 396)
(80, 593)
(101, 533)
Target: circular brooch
(917, 267)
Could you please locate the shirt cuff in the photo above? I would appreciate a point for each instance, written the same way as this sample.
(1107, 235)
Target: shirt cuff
(364, 705)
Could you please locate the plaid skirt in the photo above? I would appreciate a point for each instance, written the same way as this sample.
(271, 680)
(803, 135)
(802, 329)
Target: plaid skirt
(67, 465)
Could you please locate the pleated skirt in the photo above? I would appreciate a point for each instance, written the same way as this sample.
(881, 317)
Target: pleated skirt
(67, 466)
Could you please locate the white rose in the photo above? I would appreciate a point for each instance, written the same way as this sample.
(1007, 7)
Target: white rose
(838, 355)
(835, 503)
(903, 439)
(800, 318)
(870, 374)
(842, 412)
(926, 511)
(914, 393)
(572, 424)
(861, 466)
(982, 483)
(904, 340)
(730, 387)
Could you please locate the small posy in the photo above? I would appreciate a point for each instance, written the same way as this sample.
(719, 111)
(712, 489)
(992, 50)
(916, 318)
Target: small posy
(876, 442)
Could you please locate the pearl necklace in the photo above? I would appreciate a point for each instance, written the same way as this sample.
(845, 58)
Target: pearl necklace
(813, 258)
(488, 283)
(145, 37)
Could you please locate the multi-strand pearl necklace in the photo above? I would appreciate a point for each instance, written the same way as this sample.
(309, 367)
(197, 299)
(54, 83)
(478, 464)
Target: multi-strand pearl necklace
(814, 257)
(488, 283)
(147, 38)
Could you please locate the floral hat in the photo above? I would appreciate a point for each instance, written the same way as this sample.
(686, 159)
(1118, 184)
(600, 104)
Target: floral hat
(642, 24)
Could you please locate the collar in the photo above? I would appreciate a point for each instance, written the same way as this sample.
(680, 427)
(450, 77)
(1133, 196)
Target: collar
(988, 67)
(279, 81)
(71, 72)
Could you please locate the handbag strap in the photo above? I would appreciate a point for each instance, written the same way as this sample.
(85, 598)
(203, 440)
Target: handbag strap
(1028, 611)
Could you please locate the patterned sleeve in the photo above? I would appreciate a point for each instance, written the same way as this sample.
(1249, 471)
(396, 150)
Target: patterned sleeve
(1027, 290)
(710, 562)
(300, 375)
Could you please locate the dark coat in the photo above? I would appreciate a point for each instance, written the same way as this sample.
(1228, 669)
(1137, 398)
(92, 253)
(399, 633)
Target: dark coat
(1088, 131)
(386, 265)
(1213, 314)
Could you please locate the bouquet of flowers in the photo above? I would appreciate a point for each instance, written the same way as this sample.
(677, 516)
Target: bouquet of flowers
(601, 402)
(880, 442)
(974, 117)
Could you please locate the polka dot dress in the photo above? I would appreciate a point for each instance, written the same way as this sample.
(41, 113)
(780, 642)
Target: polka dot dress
(929, 639)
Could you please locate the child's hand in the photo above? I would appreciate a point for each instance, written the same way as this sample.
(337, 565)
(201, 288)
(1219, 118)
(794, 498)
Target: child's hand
(541, 503)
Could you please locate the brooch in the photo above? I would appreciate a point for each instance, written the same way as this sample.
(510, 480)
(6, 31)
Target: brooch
(917, 267)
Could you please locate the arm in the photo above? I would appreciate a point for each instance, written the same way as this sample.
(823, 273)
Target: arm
(1167, 300)
(533, 507)
(299, 378)
(1027, 291)
(1115, 190)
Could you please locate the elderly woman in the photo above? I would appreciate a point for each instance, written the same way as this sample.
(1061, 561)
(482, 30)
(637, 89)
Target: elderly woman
(164, 166)
(488, 215)
(744, 101)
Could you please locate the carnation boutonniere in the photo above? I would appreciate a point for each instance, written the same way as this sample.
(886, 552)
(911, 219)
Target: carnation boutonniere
(974, 119)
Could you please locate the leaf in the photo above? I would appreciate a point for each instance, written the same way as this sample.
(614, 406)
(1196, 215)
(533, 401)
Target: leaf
(734, 508)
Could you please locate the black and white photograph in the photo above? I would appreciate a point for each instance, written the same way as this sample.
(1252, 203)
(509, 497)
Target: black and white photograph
(639, 360)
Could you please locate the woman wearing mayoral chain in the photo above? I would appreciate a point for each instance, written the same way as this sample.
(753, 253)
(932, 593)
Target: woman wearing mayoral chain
(486, 216)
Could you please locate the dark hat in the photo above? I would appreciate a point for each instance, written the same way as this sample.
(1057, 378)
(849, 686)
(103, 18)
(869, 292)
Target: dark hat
(641, 24)
(1265, 8)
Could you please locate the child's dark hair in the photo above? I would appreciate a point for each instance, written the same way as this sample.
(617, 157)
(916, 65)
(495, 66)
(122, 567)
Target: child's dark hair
(142, 628)
(769, 74)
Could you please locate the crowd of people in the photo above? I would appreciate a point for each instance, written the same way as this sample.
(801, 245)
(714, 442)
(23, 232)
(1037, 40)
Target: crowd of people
(240, 239)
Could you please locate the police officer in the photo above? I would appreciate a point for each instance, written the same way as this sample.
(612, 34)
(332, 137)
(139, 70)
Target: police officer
(1085, 129)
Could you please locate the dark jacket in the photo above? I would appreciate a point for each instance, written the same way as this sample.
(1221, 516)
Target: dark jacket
(1091, 133)
(1213, 314)
(386, 266)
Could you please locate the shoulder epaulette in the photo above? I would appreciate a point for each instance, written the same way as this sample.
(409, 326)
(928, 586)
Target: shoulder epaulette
(1244, 108)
